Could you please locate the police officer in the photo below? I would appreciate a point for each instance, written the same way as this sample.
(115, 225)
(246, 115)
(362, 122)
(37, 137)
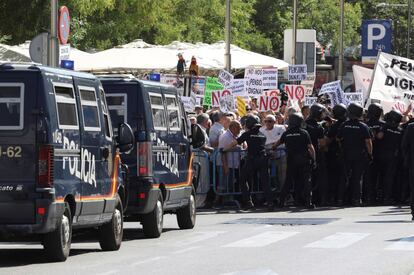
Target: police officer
(256, 162)
(300, 156)
(335, 158)
(355, 138)
(390, 136)
(408, 154)
(372, 175)
(316, 132)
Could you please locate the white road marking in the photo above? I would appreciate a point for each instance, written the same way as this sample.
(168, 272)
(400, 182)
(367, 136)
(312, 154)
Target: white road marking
(148, 260)
(110, 272)
(252, 272)
(199, 237)
(338, 240)
(405, 244)
(186, 249)
(262, 239)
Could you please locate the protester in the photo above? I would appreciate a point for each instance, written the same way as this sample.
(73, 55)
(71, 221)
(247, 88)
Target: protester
(273, 132)
(203, 120)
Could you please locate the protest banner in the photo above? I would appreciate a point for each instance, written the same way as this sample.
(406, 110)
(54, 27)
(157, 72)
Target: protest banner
(309, 83)
(254, 81)
(225, 78)
(354, 98)
(211, 85)
(271, 93)
(177, 82)
(269, 103)
(309, 100)
(270, 79)
(392, 81)
(241, 106)
(227, 103)
(186, 100)
(295, 92)
(362, 77)
(297, 72)
(330, 87)
(237, 87)
(198, 85)
(216, 95)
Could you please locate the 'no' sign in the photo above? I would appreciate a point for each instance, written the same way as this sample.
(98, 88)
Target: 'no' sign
(295, 92)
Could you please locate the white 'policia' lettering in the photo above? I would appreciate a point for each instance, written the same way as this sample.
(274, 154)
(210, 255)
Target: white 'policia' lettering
(168, 158)
(85, 169)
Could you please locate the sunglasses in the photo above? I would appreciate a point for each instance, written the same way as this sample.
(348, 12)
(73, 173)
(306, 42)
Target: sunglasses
(269, 121)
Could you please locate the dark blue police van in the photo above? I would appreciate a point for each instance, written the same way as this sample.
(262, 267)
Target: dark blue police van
(59, 161)
(161, 176)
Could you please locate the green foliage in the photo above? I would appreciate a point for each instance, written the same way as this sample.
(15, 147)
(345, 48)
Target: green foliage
(256, 24)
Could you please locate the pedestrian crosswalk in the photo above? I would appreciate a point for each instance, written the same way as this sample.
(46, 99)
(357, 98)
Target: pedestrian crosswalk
(265, 236)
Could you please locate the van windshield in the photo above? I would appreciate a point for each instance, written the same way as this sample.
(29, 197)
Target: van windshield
(11, 106)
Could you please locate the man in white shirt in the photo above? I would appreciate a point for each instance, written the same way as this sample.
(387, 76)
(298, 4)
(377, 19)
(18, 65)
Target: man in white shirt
(228, 163)
(221, 124)
(273, 132)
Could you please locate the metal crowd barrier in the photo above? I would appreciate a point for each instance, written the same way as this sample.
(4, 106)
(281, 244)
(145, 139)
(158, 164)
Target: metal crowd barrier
(227, 184)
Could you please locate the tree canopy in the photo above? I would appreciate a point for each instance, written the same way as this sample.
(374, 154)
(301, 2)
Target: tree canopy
(256, 24)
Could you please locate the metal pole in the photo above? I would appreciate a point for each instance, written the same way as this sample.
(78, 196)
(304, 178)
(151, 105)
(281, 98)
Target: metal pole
(410, 3)
(227, 55)
(53, 43)
(341, 44)
(294, 34)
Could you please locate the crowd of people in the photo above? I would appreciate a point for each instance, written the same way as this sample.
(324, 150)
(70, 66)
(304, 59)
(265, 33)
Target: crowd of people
(321, 156)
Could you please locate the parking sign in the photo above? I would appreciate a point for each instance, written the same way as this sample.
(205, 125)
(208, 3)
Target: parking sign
(376, 35)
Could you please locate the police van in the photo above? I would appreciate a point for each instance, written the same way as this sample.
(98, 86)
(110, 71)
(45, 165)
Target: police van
(161, 176)
(59, 162)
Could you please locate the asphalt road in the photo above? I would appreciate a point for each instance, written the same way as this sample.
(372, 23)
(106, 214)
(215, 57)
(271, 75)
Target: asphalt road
(375, 240)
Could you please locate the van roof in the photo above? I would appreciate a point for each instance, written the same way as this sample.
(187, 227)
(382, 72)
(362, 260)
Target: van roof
(131, 78)
(41, 68)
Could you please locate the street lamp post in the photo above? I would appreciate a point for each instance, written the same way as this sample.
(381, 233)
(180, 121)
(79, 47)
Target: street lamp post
(227, 55)
(341, 44)
(53, 56)
(295, 27)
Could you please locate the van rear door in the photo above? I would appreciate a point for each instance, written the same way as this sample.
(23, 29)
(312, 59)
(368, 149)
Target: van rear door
(18, 97)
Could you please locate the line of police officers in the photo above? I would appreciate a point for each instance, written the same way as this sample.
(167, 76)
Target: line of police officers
(348, 162)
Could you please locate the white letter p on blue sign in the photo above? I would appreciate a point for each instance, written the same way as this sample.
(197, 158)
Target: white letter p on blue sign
(371, 37)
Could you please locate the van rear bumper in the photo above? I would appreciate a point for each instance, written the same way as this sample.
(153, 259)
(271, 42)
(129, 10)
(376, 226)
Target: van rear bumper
(142, 196)
(44, 223)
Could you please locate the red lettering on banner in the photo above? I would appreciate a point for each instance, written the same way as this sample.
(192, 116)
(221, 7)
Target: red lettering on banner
(295, 92)
(269, 103)
(274, 104)
(215, 97)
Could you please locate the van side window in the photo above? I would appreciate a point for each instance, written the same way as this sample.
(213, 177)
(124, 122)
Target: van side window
(108, 126)
(11, 106)
(172, 113)
(117, 105)
(158, 112)
(66, 106)
(89, 109)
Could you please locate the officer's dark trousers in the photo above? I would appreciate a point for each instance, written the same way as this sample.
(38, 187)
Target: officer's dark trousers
(388, 166)
(411, 177)
(354, 171)
(252, 167)
(298, 175)
(320, 180)
(372, 182)
(337, 178)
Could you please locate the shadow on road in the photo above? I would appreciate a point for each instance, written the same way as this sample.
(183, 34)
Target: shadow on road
(388, 221)
(28, 256)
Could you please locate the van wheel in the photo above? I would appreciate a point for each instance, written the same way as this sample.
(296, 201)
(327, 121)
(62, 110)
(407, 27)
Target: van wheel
(57, 243)
(152, 222)
(186, 217)
(110, 234)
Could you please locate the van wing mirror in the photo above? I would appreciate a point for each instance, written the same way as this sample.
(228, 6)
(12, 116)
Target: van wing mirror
(125, 138)
(198, 139)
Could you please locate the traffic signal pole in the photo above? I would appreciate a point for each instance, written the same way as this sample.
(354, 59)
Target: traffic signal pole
(295, 27)
(227, 55)
(341, 44)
